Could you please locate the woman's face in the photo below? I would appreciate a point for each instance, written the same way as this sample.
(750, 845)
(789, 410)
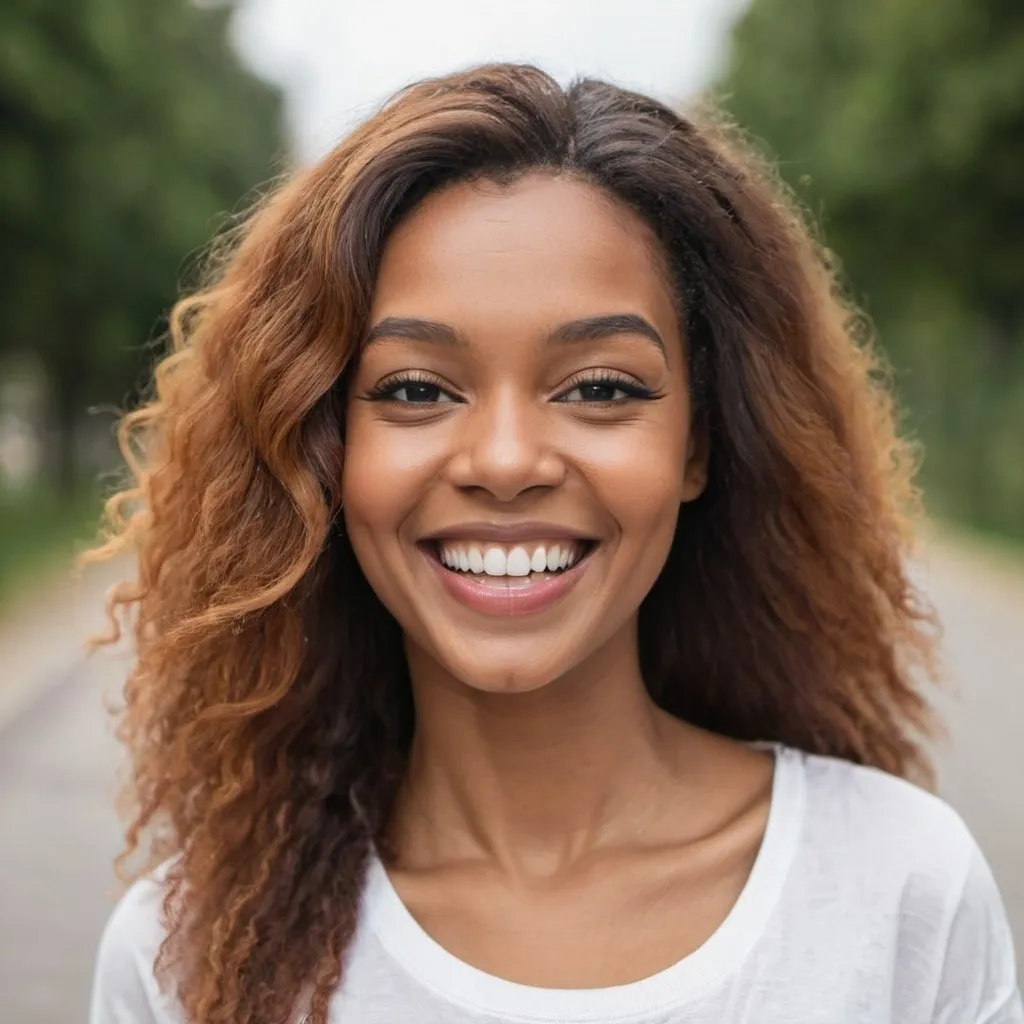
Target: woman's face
(518, 430)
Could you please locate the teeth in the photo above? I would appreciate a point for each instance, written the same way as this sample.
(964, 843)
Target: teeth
(495, 562)
(520, 560)
(518, 563)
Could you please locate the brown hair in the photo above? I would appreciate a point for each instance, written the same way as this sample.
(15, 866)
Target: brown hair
(268, 714)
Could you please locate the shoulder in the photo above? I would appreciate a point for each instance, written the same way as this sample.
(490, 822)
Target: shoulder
(877, 843)
(887, 821)
(125, 988)
(906, 874)
(909, 865)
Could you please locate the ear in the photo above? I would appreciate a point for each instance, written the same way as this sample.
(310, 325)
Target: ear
(695, 472)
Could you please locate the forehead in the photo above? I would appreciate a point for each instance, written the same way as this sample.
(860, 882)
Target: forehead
(544, 244)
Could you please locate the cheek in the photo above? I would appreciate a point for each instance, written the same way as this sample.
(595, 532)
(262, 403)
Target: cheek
(644, 498)
(387, 470)
(639, 475)
(383, 480)
(648, 484)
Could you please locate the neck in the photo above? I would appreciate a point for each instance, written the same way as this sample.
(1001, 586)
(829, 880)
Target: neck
(533, 780)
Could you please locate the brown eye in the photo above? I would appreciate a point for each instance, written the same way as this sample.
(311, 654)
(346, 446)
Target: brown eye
(597, 393)
(420, 394)
(411, 391)
(604, 390)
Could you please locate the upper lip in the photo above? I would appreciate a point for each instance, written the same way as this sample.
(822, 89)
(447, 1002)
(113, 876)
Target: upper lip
(508, 533)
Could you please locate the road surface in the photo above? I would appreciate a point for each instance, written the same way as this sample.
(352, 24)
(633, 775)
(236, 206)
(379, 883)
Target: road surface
(58, 832)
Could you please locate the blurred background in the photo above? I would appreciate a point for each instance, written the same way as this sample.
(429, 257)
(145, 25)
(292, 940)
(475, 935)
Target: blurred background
(132, 130)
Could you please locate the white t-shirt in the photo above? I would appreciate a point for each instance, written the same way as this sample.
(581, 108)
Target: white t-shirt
(869, 903)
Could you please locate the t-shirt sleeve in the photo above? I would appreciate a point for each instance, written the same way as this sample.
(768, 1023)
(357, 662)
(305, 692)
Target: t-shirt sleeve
(978, 983)
(125, 989)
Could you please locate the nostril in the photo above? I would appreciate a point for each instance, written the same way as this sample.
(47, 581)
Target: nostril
(505, 463)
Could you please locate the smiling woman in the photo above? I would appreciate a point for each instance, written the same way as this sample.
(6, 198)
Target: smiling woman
(522, 618)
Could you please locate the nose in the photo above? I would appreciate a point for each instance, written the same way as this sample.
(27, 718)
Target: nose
(506, 448)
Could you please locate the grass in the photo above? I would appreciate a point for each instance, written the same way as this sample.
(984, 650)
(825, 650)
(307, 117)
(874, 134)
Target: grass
(40, 532)
(997, 548)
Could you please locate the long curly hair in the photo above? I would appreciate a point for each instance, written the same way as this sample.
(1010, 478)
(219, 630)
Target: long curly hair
(268, 711)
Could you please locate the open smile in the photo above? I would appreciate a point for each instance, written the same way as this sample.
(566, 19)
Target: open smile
(508, 577)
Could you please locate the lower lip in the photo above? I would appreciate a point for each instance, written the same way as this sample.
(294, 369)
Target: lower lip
(518, 599)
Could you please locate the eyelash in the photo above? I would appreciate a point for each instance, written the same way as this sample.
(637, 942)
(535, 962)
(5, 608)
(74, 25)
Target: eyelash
(633, 390)
(386, 390)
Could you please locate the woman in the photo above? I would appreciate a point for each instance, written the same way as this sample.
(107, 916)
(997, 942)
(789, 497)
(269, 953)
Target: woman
(523, 624)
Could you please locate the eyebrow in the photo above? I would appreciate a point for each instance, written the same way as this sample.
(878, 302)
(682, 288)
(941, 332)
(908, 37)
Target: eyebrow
(573, 332)
(594, 328)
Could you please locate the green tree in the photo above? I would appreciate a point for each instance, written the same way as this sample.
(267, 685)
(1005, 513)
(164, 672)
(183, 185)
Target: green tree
(901, 124)
(127, 129)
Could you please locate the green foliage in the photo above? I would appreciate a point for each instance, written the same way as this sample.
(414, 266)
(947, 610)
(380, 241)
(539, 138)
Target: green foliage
(41, 531)
(900, 123)
(127, 129)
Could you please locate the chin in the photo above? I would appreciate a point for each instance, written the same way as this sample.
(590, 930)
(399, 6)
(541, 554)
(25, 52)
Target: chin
(507, 674)
(513, 681)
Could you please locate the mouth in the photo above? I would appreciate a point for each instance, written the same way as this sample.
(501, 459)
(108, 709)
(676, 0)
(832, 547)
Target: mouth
(511, 563)
(509, 578)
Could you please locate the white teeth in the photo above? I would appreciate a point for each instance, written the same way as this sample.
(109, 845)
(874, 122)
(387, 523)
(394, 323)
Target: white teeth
(495, 562)
(518, 563)
(501, 561)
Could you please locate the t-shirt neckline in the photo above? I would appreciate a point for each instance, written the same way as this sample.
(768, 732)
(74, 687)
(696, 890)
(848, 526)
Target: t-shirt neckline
(722, 954)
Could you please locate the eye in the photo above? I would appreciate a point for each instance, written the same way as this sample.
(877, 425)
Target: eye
(595, 393)
(411, 390)
(420, 394)
(604, 389)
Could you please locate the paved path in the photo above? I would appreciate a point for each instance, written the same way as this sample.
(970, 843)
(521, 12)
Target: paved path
(58, 833)
(58, 829)
(982, 765)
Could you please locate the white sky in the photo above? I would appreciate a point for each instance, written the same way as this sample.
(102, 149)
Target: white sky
(339, 59)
